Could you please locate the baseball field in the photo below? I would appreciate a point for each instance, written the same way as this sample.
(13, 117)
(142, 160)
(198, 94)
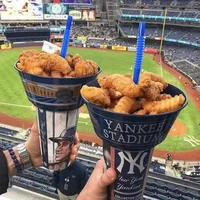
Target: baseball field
(13, 100)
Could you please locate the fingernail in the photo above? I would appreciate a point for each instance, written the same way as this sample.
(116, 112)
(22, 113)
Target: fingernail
(111, 174)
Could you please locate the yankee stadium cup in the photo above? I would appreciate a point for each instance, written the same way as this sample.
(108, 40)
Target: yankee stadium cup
(58, 101)
(128, 143)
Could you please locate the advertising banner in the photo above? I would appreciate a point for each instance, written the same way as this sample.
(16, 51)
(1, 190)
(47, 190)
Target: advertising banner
(6, 46)
(131, 49)
(150, 50)
(103, 46)
(82, 6)
(76, 14)
(21, 10)
(82, 38)
(132, 36)
(119, 48)
(88, 15)
(55, 11)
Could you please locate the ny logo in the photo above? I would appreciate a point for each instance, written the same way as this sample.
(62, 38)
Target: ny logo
(136, 162)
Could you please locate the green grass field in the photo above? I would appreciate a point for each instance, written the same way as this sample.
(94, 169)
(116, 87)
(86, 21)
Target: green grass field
(13, 99)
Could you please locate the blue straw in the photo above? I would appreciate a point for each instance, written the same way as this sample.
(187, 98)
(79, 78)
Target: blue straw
(66, 37)
(139, 52)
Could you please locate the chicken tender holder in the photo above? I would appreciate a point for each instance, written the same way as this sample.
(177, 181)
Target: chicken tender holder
(58, 101)
(128, 141)
(56, 94)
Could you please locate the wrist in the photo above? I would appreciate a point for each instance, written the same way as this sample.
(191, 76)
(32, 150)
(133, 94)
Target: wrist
(24, 156)
(35, 158)
(11, 165)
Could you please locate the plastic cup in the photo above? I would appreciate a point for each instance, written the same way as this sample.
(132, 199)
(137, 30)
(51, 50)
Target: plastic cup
(128, 143)
(57, 101)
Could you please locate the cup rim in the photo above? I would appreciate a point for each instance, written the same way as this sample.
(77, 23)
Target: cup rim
(71, 78)
(146, 116)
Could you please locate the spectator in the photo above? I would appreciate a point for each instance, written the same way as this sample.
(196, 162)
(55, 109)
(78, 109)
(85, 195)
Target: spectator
(70, 181)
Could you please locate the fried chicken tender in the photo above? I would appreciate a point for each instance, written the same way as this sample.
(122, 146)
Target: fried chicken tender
(153, 91)
(56, 74)
(27, 54)
(53, 65)
(84, 68)
(32, 66)
(163, 97)
(97, 96)
(45, 74)
(114, 94)
(166, 105)
(153, 77)
(69, 58)
(113, 104)
(126, 105)
(151, 85)
(72, 74)
(35, 64)
(29, 62)
(75, 59)
(59, 64)
(140, 112)
(20, 66)
(120, 83)
(93, 65)
(43, 61)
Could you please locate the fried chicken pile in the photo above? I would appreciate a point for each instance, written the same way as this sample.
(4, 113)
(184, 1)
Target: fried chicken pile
(53, 65)
(118, 93)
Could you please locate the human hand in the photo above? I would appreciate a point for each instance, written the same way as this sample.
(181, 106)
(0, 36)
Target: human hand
(96, 187)
(33, 147)
(75, 148)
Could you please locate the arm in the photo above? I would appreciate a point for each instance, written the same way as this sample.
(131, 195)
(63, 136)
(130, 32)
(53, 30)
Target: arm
(3, 173)
(7, 166)
(10, 163)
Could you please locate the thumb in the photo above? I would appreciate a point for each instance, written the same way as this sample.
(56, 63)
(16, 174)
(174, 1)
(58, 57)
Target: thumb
(107, 178)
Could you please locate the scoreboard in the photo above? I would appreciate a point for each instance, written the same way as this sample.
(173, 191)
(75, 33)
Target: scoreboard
(21, 10)
(36, 10)
(55, 11)
(77, 1)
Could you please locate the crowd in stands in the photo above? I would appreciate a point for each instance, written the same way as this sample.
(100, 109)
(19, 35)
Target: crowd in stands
(170, 13)
(94, 31)
(172, 3)
(171, 32)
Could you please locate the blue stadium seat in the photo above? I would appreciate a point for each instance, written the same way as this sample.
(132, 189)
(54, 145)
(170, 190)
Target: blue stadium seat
(162, 197)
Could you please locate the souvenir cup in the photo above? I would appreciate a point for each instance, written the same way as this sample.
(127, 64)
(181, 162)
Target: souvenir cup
(128, 143)
(58, 101)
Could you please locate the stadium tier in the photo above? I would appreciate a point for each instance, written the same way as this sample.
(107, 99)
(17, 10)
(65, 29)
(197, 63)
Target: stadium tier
(171, 32)
(21, 34)
(162, 3)
(127, 12)
(76, 1)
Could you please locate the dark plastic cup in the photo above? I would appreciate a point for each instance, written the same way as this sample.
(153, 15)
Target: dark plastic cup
(56, 94)
(58, 101)
(128, 143)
